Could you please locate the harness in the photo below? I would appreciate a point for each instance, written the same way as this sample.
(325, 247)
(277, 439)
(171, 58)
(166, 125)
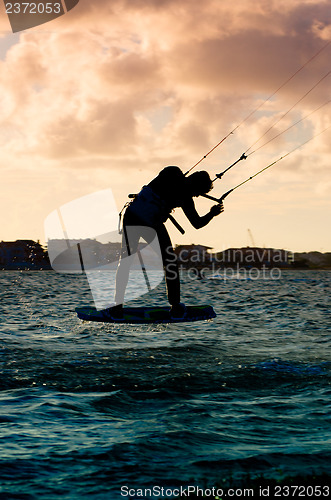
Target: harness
(149, 207)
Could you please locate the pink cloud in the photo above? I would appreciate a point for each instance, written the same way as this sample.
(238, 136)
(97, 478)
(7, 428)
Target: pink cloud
(91, 84)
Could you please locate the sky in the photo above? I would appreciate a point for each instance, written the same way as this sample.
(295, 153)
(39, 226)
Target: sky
(107, 95)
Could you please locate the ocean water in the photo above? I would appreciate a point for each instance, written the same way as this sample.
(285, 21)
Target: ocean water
(87, 408)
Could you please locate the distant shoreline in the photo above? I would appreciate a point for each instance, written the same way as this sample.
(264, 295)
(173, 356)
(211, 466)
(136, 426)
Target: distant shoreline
(28, 255)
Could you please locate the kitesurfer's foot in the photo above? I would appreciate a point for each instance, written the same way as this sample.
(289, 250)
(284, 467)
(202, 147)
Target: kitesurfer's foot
(177, 311)
(114, 312)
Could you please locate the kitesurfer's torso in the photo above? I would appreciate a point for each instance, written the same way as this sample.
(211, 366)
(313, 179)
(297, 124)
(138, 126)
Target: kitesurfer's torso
(172, 187)
(168, 190)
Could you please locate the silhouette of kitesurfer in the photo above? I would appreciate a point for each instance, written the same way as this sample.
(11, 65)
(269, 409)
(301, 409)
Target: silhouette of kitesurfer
(150, 209)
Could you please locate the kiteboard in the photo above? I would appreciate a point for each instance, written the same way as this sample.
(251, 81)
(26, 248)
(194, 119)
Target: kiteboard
(147, 314)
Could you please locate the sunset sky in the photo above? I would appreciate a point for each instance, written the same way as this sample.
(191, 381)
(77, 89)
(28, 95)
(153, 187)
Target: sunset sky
(110, 93)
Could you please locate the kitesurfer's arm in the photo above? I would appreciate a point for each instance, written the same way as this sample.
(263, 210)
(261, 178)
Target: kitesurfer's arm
(198, 221)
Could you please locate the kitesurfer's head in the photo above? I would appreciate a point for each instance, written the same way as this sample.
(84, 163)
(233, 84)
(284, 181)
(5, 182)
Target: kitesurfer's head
(199, 183)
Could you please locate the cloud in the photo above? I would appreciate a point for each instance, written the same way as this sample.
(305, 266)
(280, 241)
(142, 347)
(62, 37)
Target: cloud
(94, 82)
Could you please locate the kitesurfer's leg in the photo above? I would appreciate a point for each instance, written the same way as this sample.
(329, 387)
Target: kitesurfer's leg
(171, 272)
(131, 235)
(129, 247)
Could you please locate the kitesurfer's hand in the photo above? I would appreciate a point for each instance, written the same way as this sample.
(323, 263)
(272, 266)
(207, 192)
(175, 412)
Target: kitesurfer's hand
(217, 209)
